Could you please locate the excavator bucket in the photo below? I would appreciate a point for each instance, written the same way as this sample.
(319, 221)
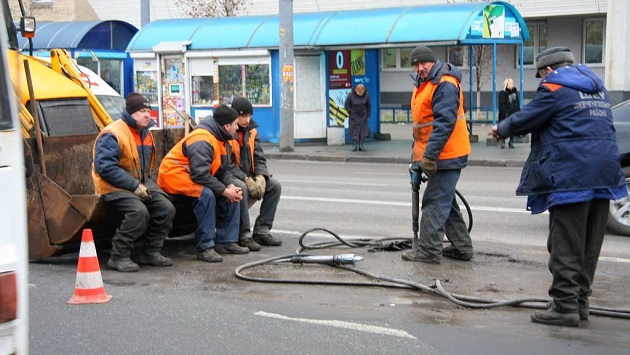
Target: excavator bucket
(61, 202)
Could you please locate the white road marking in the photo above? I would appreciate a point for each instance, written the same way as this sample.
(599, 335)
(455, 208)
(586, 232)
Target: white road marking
(613, 259)
(311, 182)
(394, 203)
(342, 324)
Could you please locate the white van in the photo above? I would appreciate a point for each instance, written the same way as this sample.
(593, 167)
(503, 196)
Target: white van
(111, 100)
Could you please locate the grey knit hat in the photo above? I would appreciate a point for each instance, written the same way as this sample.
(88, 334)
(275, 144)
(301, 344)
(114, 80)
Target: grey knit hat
(551, 56)
(422, 54)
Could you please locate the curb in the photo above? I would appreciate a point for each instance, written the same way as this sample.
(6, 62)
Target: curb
(383, 160)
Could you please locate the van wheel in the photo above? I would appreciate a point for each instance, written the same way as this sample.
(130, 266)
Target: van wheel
(619, 212)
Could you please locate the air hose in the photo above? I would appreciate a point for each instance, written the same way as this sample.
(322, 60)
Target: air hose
(344, 261)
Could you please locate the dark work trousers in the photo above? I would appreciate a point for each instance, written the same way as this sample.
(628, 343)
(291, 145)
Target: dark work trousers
(268, 208)
(152, 219)
(441, 214)
(217, 220)
(576, 234)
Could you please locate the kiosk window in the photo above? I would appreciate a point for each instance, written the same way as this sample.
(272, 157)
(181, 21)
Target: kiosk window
(250, 80)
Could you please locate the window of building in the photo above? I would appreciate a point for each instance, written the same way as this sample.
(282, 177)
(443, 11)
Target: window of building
(594, 34)
(396, 58)
(389, 58)
(537, 43)
(457, 55)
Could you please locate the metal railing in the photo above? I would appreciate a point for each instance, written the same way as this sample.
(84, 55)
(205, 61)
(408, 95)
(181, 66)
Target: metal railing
(402, 114)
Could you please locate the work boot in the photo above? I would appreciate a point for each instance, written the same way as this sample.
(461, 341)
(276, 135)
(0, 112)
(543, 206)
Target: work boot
(155, 259)
(551, 317)
(267, 240)
(249, 243)
(209, 256)
(416, 255)
(583, 310)
(454, 253)
(122, 264)
(230, 248)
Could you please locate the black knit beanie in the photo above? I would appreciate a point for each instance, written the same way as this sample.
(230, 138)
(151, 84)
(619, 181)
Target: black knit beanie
(224, 114)
(243, 106)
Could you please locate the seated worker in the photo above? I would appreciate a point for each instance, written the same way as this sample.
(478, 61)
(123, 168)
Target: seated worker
(124, 155)
(251, 174)
(196, 171)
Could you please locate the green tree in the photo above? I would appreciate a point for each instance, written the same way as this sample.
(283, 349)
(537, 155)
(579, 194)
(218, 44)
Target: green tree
(213, 8)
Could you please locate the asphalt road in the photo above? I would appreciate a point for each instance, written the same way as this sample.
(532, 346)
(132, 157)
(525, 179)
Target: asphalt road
(199, 308)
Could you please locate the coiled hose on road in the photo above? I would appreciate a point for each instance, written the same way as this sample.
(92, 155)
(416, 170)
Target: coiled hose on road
(384, 281)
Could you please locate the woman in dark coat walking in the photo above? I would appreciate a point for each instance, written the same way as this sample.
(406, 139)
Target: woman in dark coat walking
(508, 104)
(359, 108)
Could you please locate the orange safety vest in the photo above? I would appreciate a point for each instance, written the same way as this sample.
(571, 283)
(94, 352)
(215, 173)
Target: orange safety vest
(238, 143)
(174, 174)
(458, 144)
(128, 140)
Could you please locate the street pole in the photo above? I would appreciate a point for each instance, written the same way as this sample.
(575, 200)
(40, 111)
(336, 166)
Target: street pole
(145, 12)
(287, 70)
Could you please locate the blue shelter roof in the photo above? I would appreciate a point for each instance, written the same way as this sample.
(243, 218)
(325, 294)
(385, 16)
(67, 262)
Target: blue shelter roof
(108, 35)
(435, 24)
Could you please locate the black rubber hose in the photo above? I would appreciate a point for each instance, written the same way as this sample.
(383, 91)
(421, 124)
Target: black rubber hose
(468, 210)
(389, 282)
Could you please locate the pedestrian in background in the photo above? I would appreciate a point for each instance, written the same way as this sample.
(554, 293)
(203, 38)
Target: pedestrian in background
(359, 109)
(249, 167)
(573, 171)
(508, 104)
(440, 149)
(196, 171)
(124, 155)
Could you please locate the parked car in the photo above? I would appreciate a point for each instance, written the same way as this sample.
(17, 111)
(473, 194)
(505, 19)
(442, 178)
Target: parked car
(619, 215)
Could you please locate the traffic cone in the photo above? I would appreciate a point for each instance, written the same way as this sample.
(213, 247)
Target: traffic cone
(89, 285)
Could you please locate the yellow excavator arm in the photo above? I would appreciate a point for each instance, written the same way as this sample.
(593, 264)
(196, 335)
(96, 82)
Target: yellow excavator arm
(63, 63)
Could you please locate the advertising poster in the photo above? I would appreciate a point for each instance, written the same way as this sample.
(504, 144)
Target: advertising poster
(347, 69)
(173, 93)
(494, 21)
(339, 76)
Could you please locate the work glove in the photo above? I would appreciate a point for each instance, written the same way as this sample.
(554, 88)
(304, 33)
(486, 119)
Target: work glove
(142, 192)
(429, 166)
(253, 189)
(262, 184)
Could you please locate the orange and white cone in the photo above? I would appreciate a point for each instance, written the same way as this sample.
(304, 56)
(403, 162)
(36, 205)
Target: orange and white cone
(89, 285)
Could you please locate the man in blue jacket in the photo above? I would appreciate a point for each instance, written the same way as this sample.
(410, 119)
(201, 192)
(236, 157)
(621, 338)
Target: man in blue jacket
(573, 171)
(124, 156)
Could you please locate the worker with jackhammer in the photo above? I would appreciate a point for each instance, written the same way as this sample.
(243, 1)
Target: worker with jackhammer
(249, 167)
(440, 150)
(573, 171)
(124, 155)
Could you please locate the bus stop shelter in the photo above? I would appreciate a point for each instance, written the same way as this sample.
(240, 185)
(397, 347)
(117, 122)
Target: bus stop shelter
(322, 33)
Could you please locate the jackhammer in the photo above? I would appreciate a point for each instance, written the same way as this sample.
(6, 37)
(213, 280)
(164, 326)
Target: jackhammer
(417, 178)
